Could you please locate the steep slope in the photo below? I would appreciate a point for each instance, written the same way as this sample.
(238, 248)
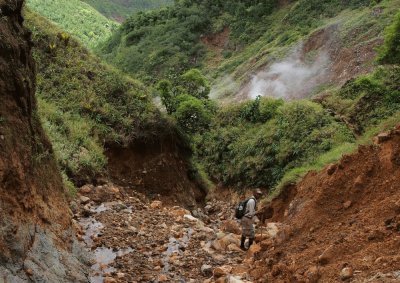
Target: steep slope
(103, 124)
(77, 18)
(37, 242)
(346, 216)
(82, 102)
(119, 10)
(268, 142)
(331, 52)
(168, 41)
(242, 38)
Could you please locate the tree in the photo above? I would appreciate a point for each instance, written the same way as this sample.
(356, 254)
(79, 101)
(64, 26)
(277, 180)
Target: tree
(167, 97)
(196, 84)
(251, 112)
(192, 115)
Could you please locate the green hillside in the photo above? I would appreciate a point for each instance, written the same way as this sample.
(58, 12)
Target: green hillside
(167, 41)
(174, 39)
(269, 142)
(77, 18)
(83, 103)
(191, 49)
(122, 9)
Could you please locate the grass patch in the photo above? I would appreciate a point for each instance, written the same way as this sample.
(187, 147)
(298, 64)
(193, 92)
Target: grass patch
(77, 18)
(84, 104)
(382, 126)
(332, 156)
(119, 10)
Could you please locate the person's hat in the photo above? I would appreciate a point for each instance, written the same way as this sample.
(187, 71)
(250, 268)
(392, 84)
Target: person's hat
(258, 192)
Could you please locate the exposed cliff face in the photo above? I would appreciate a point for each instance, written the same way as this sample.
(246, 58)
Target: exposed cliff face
(36, 239)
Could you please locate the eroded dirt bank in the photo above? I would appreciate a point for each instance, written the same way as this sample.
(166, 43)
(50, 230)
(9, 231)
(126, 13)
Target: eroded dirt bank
(37, 243)
(342, 223)
(159, 167)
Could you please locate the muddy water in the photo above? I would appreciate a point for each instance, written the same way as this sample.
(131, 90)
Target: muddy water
(176, 247)
(92, 229)
(103, 257)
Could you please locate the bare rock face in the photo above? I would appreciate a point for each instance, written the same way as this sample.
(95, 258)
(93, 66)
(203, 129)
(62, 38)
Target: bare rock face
(35, 227)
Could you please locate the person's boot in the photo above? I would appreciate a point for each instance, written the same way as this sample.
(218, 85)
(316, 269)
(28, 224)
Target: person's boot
(242, 247)
(251, 240)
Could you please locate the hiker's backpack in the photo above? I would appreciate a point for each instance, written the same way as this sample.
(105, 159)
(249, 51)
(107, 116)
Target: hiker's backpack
(241, 208)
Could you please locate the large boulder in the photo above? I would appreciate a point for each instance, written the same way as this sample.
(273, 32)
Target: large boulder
(231, 226)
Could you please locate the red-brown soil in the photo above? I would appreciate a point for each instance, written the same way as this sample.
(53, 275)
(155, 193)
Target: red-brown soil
(158, 167)
(350, 210)
(216, 43)
(34, 215)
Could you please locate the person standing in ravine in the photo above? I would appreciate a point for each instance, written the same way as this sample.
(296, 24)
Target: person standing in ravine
(248, 218)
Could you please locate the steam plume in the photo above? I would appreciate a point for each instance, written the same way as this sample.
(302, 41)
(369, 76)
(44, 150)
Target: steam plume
(291, 78)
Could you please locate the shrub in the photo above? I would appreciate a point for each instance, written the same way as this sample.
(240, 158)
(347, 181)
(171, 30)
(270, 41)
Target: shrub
(164, 88)
(195, 84)
(390, 52)
(191, 115)
(243, 153)
(365, 101)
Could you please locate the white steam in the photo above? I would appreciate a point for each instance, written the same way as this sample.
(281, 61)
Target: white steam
(291, 78)
(225, 87)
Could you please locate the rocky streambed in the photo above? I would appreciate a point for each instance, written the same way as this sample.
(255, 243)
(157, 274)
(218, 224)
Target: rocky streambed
(133, 239)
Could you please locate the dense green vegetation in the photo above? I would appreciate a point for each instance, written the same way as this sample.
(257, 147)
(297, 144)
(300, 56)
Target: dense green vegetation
(122, 9)
(259, 143)
(255, 143)
(367, 100)
(390, 52)
(167, 42)
(76, 18)
(84, 104)
(293, 24)
(269, 143)
(187, 101)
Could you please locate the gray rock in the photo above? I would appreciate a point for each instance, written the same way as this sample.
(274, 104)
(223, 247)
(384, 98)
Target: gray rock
(207, 270)
(74, 207)
(45, 261)
(87, 211)
(84, 200)
(208, 208)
